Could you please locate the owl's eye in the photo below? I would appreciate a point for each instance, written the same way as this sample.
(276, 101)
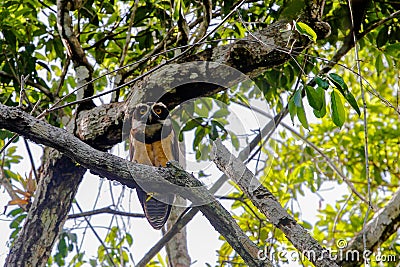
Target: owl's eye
(158, 111)
(142, 111)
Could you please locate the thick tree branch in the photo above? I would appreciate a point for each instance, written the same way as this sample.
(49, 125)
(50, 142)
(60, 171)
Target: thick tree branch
(108, 132)
(264, 200)
(83, 69)
(246, 55)
(115, 168)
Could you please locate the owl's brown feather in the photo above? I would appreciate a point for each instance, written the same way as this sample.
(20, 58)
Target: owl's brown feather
(152, 142)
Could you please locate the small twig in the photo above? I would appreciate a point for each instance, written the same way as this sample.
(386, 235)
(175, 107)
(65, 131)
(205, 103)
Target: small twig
(5, 182)
(15, 136)
(243, 200)
(28, 149)
(339, 213)
(97, 236)
(94, 206)
(38, 86)
(206, 18)
(117, 77)
(63, 75)
(128, 33)
(108, 210)
(278, 119)
(367, 176)
(22, 94)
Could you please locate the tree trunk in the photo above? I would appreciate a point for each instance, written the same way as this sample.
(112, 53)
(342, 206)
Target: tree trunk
(59, 179)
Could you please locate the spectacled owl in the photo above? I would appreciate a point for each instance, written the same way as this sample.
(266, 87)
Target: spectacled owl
(153, 142)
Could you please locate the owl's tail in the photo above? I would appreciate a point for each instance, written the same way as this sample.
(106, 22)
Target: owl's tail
(156, 211)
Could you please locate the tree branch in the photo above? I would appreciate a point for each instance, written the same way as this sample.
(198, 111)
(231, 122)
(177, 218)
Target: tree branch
(115, 168)
(384, 223)
(108, 210)
(245, 56)
(83, 69)
(264, 200)
(186, 218)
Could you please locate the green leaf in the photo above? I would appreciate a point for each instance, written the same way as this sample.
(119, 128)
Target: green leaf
(199, 134)
(234, 140)
(322, 83)
(193, 123)
(214, 131)
(314, 97)
(382, 37)
(379, 64)
(393, 50)
(307, 225)
(15, 212)
(298, 99)
(223, 112)
(338, 82)
(352, 101)
(292, 109)
(301, 115)
(322, 111)
(17, 221)
(264, 234)
(304, 29)
(62, 247)
(129, 239)
(337, 109)
(344, 90)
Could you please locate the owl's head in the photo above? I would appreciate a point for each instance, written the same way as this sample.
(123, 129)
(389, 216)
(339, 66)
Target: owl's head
(151, 113)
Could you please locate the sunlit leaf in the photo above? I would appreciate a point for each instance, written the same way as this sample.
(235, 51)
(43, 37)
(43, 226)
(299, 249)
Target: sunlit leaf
(304, 29)
(337, 109)
(301, 115)
(314, 97)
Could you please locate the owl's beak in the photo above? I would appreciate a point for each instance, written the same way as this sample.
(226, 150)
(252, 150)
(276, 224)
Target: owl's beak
(150, 118)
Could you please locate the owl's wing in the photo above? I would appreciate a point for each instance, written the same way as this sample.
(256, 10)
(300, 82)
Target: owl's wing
(155, 210)
(156, 206)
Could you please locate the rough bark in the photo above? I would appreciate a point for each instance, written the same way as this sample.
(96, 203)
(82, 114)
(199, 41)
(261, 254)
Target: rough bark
(174, 84)
(59, 180)
(264, 200)
(177, 247)
(115, 168)
(246, 55)
(59, 176)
